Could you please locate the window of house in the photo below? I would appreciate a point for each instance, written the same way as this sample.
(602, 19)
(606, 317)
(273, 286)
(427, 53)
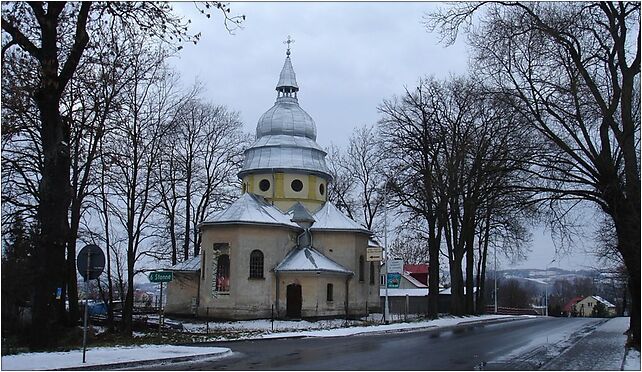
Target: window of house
(372, 273)
(223, 273)
(297, 185)
(330, 290)
(321, 189)
(256, 264)
(203, 265)
(382, 280)
(361, 267)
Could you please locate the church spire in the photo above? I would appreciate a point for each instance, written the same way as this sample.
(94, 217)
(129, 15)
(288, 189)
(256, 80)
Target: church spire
(287, 85)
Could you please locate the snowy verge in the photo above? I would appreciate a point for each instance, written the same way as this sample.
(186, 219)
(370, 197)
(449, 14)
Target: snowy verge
(631, 360)
(105, 355)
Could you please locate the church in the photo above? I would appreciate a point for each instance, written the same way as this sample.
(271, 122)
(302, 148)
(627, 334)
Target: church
(281, 249)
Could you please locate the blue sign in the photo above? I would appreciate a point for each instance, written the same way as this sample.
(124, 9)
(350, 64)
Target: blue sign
(394, 279)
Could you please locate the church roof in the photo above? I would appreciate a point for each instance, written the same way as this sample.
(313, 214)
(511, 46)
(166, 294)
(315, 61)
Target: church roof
(287, 77)
(190, 265)
(308, 259)
(286, 135)
(330, 218)
(251, 209)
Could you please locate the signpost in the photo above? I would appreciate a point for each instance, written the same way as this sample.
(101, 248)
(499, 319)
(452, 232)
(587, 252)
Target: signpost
(395, 266)
(160, 277)
(393, 280)
(90, 263)
(374, 254)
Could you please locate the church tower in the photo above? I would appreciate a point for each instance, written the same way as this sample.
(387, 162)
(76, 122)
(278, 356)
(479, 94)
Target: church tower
(285, 165)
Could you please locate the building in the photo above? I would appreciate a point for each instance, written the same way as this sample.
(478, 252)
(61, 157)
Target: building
(569, 308)
(585, 307)
(281, 248)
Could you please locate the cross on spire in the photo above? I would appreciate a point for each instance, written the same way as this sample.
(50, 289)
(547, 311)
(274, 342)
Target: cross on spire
(288, 41)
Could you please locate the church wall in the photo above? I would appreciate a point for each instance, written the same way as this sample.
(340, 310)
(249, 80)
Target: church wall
(181, 293)
(314, 294)
(345, 248)
(247, 298)
(281, 193)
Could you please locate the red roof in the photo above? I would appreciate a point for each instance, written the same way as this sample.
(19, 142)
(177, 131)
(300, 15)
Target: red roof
(416, 269)
(569, 305)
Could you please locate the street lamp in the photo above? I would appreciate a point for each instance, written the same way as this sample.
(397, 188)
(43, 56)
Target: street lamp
(386, 309)
(495, 275)
(546, 288)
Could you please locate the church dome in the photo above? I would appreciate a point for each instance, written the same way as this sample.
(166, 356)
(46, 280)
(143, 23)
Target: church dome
(286, 135)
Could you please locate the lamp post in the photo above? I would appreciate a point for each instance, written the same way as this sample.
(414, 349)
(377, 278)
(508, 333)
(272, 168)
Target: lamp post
(385, 245)
(546, 288)
(495, 275)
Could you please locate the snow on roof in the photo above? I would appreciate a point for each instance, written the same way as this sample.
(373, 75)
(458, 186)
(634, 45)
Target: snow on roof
(330, 218)
(605, 302)
(414, 281)
(251, 209)
(309, 259)
(192, 264)
(372, 242)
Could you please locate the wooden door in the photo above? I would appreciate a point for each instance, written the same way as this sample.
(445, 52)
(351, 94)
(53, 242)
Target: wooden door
(293, 301)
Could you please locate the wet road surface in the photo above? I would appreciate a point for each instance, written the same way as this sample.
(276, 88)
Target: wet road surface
(523, 344)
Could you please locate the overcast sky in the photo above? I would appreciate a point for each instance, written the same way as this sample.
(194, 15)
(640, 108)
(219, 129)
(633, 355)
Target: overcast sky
(348, 57)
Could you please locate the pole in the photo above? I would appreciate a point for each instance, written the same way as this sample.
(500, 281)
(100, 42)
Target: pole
(84, 335)
(386, 310)
(495, 279)
(160, 307)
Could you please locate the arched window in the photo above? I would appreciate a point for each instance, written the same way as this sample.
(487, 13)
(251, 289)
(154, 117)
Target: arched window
(223, 273)
(361, 264)
(372, 273)
(256, 264)
(329, 292)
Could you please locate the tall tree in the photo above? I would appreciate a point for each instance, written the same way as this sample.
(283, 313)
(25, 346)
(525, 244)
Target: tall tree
(55, 36)
(572, 70)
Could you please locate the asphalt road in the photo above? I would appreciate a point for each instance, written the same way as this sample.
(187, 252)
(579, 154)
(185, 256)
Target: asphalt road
(515, 345)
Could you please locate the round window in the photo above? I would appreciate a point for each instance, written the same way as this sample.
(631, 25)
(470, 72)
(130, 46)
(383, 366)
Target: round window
(321, 189)
(264, 185)
(297, 185)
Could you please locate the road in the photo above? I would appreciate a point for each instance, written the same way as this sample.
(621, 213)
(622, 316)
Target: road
(515, 345)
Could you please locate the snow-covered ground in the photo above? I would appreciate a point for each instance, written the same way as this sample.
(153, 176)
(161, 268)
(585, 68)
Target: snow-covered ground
(105, 355)
(632, 361)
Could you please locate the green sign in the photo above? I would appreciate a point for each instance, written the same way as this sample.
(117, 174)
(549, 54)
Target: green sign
(394, 279)
(161, 276)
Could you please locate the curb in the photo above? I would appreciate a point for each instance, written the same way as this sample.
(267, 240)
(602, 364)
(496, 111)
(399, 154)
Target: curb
(151, 362)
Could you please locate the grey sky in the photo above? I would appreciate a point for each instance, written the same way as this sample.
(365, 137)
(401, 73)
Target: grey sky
(348, 57)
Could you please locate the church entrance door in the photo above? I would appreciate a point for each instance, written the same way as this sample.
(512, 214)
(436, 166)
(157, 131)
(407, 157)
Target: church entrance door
(294, 300)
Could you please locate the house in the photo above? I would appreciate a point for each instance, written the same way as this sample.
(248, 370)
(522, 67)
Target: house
(417, 271)
(281, 249)
(569, 308)
(585, 307)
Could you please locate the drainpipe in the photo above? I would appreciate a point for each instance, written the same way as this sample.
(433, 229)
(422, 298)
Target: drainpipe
(278, 284)
(347, 295)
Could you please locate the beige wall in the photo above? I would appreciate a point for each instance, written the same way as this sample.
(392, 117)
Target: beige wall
(181, 291)
(281, 192)
(585, 307)
(253, 298)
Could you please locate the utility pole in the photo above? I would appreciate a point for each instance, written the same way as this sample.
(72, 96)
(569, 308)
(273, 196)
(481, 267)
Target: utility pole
(386, 310)
(495, 250)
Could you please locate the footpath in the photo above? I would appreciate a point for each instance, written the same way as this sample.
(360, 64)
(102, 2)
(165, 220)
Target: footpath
(601, 350)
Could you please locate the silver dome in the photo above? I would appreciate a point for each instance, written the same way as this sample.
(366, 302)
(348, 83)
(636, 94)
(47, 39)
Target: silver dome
(285, 135)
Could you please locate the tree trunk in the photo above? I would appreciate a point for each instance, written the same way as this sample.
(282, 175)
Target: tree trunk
(433, 270)
(72, 278)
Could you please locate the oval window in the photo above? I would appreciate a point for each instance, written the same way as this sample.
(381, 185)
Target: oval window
(297, 185)
(321, 189)
(244, 187)
(264, 185)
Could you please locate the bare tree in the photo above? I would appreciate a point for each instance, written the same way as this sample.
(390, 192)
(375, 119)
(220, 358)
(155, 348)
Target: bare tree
(572, 70)
(55, 36)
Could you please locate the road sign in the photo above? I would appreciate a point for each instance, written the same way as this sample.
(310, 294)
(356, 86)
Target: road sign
(395, 266)
(161, 276)
(90, 262)
(374, 254)
(394, 279)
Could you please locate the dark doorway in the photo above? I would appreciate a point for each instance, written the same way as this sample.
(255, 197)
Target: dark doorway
(293, 303)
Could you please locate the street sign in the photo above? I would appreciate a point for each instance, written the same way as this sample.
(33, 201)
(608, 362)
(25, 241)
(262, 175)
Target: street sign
(374, 254)
(395, 266)
(90, 262)
(394, 279)
(161, 276)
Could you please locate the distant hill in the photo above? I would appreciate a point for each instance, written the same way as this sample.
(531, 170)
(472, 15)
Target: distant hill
(546, 276)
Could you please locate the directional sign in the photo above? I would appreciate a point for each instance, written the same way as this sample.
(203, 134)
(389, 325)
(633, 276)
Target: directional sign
(90, 262)
(395, 266)
(161, 276)
(374, 254)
